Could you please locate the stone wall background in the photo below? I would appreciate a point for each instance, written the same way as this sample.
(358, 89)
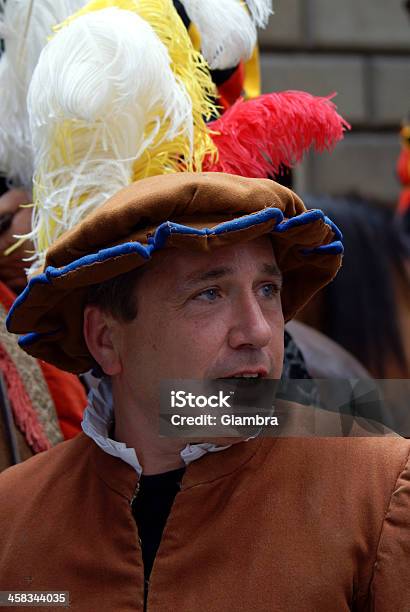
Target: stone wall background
(360, 49)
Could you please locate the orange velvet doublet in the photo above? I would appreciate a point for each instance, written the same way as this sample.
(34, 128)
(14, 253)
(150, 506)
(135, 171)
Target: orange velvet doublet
(278, 525)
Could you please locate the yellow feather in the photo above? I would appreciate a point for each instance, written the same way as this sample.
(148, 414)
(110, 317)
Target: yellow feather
(185, 152)
(190, 68)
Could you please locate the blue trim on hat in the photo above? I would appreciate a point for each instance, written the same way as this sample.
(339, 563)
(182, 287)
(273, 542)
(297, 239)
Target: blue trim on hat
(32, 337)
(336, 230)
(303, 219)
(333, 248)
(159, 239)
(51, 272)
(166, 229)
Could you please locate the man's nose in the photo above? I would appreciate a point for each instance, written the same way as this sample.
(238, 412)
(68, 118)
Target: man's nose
(250, 326)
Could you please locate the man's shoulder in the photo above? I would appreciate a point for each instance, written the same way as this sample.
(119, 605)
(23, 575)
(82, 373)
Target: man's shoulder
(376, 448)
(41, 470)
(381, 448)
(369, 459)
(367, 477)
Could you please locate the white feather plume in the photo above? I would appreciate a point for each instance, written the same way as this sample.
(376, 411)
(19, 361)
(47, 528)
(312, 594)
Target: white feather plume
(260, 10)
(24, 26)
(227, 30)
(102, 90)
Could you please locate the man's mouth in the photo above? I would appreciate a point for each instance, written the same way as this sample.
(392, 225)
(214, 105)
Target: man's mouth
(259, 373)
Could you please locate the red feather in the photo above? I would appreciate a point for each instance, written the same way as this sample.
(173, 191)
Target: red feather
(403, 166)
(403, 171)
(257, 138)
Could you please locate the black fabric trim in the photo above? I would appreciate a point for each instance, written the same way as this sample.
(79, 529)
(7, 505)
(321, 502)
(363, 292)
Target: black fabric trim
(180, 9)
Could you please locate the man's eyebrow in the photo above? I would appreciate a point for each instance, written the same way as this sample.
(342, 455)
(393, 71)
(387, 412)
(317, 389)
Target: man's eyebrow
(219, 272)
(272, 270)
(206, 275)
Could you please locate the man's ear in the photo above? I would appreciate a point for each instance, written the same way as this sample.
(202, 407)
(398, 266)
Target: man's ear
(98, 333)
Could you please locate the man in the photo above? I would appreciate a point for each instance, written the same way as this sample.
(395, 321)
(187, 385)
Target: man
(193, 276)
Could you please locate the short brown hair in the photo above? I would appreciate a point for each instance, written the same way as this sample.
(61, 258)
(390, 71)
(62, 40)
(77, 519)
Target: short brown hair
(116, 296)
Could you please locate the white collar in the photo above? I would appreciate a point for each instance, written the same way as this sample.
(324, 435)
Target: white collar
(99, 417)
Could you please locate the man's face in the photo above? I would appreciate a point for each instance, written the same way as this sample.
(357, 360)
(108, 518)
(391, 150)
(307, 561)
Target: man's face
(203, 315)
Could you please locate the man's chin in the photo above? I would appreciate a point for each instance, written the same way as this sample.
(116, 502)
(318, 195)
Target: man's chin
(225, 441)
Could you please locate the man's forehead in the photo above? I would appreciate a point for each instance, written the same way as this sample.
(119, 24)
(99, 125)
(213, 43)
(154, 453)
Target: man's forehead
(215, 272)
(190, 266)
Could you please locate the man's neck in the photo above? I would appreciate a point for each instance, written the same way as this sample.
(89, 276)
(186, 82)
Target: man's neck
(155, 455)
(140, 432)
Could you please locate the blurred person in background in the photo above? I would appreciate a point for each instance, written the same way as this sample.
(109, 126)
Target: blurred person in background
(366, 309)
(324, 358)
(403, 174)
(15, 220)
(40, 404)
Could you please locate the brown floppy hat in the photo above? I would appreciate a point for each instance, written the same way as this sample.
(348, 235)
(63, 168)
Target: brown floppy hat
(200, 211)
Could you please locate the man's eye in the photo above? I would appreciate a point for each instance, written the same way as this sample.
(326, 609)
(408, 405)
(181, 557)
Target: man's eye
(270, 290)
(209, 295)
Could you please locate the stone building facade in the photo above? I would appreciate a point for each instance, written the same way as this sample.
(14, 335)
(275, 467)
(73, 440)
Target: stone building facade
(360, 49)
